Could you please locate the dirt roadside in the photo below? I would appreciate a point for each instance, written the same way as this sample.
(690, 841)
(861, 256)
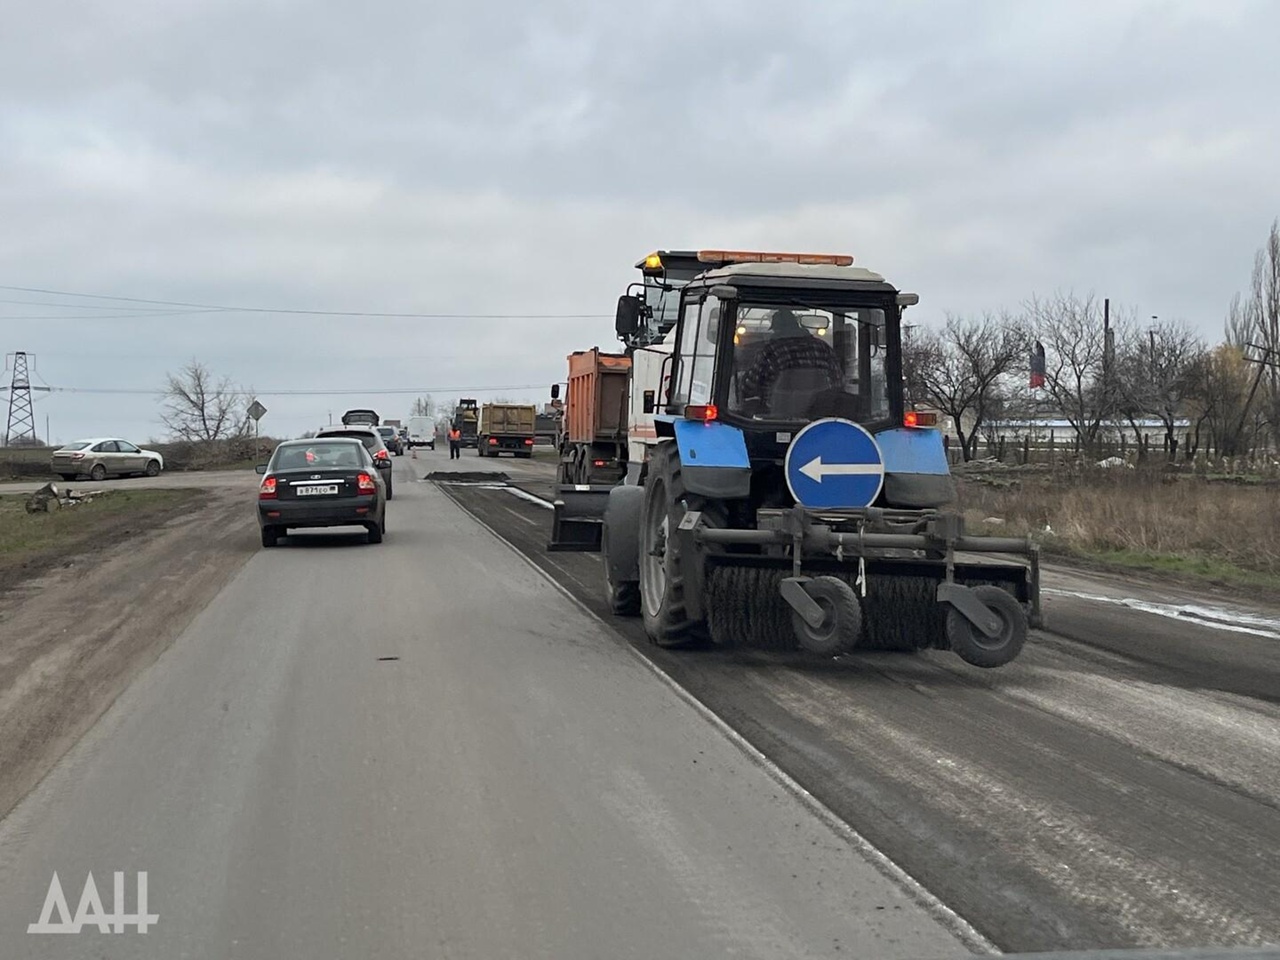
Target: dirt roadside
(72, 639)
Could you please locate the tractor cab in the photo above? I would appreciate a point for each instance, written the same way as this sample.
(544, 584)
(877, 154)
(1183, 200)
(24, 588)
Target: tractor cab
(772, 346)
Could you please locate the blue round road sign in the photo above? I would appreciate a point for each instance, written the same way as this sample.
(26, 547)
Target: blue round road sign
(834, 463)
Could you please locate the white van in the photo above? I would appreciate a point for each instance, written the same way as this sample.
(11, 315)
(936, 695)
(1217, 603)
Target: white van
(422, 432)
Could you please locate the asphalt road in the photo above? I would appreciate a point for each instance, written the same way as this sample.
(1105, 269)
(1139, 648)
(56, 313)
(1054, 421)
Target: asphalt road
(1117, 786)
(424, 749)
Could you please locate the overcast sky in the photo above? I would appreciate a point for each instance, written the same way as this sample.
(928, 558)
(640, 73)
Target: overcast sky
(517, 158)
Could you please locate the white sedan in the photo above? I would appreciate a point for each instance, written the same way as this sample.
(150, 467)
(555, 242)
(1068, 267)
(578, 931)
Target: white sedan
(104, 456)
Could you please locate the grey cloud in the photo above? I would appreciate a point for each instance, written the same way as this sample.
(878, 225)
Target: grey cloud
(502, 157)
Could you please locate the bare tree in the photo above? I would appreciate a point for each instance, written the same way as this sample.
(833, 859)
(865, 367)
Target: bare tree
(423, 407)
(1155, 370)
(1264, 311)
(201, 407)
(1219, 399)
(960, 370)
(1253, 328)
(1079, 360)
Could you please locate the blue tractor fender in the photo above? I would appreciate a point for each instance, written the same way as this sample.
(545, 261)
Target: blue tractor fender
(713, 459)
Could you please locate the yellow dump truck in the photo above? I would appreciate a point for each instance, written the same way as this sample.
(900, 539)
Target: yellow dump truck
(507, 428)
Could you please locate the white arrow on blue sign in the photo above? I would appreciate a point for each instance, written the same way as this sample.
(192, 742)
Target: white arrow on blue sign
(834, 463)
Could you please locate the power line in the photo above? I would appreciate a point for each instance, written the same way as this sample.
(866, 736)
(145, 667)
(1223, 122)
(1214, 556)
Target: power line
(69, 306)
(147, 315)
(317, 313)
(374, 391)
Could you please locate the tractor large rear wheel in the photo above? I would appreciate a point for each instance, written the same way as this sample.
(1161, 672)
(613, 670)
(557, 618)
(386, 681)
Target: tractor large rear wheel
(662, 580)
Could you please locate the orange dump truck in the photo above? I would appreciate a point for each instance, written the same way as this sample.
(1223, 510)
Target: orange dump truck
(593, 431)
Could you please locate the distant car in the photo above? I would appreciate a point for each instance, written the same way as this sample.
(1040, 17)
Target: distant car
(105, 456)
(330, 482)
(391, 437)
(372, 440)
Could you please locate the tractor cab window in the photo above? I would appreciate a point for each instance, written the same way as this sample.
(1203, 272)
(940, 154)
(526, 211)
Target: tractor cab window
(802, 364)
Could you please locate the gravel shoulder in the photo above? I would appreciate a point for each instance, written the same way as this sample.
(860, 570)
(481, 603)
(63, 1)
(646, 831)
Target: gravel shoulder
(84, 613)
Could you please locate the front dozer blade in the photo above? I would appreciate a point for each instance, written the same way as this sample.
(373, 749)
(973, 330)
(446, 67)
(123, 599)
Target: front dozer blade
(578, 517)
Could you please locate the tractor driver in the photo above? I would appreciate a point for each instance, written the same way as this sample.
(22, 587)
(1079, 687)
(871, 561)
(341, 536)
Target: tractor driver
(789, 370)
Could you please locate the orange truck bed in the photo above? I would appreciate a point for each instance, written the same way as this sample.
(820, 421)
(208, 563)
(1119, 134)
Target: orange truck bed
(595, 406)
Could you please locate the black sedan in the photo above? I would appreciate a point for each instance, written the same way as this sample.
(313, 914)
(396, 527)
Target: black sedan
(392, 439)
(321, 483)
(372, 440)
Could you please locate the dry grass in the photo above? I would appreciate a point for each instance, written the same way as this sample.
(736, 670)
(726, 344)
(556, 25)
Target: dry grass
(1138, 517)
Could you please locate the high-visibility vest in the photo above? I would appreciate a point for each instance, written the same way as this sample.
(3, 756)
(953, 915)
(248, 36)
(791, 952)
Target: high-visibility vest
(455, 434)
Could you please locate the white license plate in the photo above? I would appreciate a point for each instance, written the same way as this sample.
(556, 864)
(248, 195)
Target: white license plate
(315, 490)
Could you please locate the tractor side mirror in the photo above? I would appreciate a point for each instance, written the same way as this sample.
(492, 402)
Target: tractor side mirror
(908, 300)
(555, 391)
(723, 291)
(648, 403)
(627, 321)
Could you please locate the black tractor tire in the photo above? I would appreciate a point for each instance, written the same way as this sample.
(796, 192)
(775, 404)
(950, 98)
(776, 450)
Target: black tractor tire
(666, 617)
(270, 536)
(620, 548)
(153, 468)
(99, 472)
(841, 627)
(975, 647)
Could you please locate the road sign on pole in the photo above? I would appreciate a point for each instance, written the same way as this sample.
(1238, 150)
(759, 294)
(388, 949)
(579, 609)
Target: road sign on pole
(834, 463)
(256, 410)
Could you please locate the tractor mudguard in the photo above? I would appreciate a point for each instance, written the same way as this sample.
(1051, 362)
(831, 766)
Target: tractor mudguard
(916, 473)
(713, 458)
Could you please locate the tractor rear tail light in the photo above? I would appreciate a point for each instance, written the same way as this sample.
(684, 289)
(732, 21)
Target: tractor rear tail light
(915, 418)
(706, 412)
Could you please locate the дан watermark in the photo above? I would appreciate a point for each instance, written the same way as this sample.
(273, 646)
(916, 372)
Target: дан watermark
(90, 912)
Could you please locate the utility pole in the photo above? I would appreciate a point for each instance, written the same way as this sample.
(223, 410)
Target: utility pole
(21, 424)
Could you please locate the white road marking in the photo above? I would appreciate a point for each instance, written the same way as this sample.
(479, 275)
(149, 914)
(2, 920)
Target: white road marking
(1219, 618)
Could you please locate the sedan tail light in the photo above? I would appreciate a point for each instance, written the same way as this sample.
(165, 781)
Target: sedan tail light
(268, 489)
(382, 455)
(366, 483)
(77, 456)
(493, 441)
(528, 441)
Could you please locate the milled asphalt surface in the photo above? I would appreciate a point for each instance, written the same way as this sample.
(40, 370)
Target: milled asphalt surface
(423, 749)
(1117, 786)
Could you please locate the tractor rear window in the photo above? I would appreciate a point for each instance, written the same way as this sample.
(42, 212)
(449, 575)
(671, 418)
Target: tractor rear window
(799, 364)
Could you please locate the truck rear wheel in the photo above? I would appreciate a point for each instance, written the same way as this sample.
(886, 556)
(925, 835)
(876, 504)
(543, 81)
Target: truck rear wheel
(662, 582)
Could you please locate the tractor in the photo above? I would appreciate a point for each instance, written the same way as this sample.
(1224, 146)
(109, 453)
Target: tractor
(777, 491)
